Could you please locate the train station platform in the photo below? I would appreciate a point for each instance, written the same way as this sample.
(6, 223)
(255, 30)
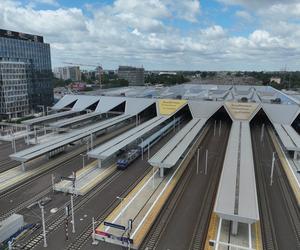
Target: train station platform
(9, 137)
(236, 199)
(249, 237)
(44, 138)
(289, 137)
(128, 224)
(16, 175)
(48, 118)
(65, 139)
(290, 166)
(86, 179)
(113, 146)
(169, 154)
(74, 120)
(141, 206)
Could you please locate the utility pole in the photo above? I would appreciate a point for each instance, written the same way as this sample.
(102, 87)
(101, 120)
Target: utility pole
(272, 169)
(43, 223)
(142, 149)
(93, 234)
(72, 203)
(262, 132)
(198, 151)
(215, 124)
(206, 158)
(83, 160)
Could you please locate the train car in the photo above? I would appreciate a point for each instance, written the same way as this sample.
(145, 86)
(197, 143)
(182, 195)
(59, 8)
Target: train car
(132, 154)
(130, 157)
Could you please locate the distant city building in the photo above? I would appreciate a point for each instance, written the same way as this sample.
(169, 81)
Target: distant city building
(276, 80)
(66, 73)
(134, 76)
(25, 73)
(79, 86)
(167, 73)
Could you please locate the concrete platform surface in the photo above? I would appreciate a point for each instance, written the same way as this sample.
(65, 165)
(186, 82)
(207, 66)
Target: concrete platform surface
(86, 179)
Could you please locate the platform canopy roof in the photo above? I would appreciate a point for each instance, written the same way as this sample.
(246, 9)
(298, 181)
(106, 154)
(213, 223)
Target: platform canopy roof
(48, 118)
(204, 109)
(65, 139)
(237, 196)
(281, 113)
(288, 136)
(111, 147)
(136, 105)
(168, 155)
(107, 103)
(73, 120)
(65, 101)
(84, 102)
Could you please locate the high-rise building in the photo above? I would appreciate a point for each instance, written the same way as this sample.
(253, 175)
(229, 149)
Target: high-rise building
(134, 76)
(25, 73)
(65, 73)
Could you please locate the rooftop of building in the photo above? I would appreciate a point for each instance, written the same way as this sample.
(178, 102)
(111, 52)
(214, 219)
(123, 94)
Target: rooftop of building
(21, 36)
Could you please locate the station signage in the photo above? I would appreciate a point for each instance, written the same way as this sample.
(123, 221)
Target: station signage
(117, 226)
(170, 106)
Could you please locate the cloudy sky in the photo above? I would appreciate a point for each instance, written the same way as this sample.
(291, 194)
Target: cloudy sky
(164, 34)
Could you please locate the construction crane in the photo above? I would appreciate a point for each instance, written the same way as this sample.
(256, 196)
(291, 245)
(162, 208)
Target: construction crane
(98, 68)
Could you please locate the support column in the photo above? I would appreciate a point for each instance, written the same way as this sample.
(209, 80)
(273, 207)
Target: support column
(295, 155)
(99, 163)
(23, 167)
(161, 172)
(234, 227)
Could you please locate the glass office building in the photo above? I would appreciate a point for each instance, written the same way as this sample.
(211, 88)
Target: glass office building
(25, 73)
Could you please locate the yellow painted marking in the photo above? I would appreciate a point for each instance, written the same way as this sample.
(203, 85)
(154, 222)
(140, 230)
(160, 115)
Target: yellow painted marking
(212, 230)
(285, 165)
(241, 110)
(258, 239)
(170, 106)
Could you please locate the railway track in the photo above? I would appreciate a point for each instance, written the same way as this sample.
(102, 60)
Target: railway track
(198, 237)
(203, 219)
(290, 203)
(84, 236)
(61, 161)
(267, 224)
(55, 220)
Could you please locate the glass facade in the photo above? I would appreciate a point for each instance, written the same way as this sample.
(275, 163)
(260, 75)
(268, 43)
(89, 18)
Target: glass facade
(32, 58)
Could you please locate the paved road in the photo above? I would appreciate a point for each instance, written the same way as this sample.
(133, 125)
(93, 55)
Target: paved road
(285, 236)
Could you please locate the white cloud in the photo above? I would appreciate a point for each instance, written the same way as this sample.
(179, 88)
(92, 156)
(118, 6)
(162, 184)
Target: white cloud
(244, 15)
(34, 3)
(135, 32)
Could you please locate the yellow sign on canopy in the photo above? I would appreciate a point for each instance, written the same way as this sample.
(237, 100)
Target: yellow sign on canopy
(170, 106)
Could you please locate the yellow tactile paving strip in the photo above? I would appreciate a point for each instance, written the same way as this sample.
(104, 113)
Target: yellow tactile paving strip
(258, 238)
(212, 230)
(284, 163)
